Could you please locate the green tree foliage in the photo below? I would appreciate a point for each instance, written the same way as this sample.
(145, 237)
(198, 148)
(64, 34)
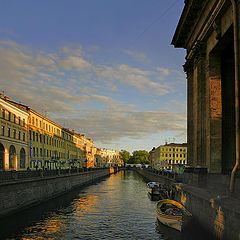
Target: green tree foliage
(125, 155)
(140, 156)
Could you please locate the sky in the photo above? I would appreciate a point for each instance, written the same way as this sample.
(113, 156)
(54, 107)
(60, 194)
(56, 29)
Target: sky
(105, 68)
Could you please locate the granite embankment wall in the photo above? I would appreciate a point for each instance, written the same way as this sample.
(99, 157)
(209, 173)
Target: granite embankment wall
(151, 175)
(213, 209)
(19, 194)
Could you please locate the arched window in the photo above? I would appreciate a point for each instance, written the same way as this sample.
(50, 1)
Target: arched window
(12, 156)
(22, 158)
(2, 151)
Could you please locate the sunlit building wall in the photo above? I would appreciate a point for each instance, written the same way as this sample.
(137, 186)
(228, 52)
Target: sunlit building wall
(45, 142)
(14, 154)
(50, 146)
(173, 153)
(110, 157)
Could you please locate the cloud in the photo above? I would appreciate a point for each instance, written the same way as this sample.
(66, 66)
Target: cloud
(164, 71)
(135, 77)
(111, 125)
(73, 89)
(74, 62)
(136, 55)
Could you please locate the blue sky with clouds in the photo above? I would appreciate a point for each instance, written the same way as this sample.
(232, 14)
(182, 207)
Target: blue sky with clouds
(105, 68)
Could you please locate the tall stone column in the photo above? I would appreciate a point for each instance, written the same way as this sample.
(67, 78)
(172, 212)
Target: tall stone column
(214, 125)
(199, 55)
(188, 68)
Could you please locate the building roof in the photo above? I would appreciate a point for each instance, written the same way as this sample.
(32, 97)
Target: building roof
(191, 13)
(175, 145)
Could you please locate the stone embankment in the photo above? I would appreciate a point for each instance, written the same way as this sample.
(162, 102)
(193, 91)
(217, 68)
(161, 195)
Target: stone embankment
(20, 190)
(206, 197)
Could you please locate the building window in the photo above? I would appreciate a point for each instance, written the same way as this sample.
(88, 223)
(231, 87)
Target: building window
(24, 137)
(19, 135)
(40, 124)
(24, 122)
(36, 122)
(36, 137)
(33, 135)
(14, 133)
(19, 120)
(9, 116)
(3, 130)
(3, 113)
(33, 121)
(9, 132)
(22, 158)
(14, 118)
(30, 135)
(40, 152)
(34, 152)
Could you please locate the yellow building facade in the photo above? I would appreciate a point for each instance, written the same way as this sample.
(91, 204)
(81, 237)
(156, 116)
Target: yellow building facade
(45, 142)
(14, 154)
(172, 154)
(31, 140)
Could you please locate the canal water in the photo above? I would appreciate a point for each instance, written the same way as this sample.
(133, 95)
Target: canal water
(117, 207)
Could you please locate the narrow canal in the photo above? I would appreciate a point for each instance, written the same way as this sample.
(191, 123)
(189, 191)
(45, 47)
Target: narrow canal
(116, 208)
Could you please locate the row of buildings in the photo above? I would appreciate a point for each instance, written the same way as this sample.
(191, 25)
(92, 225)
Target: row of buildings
(30, 140)
(167, 156)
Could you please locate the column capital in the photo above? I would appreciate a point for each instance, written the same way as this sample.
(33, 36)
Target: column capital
(188, 66)
(199, 51)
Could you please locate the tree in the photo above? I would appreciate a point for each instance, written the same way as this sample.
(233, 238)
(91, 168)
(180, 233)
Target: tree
(125, 155)
(140, 156)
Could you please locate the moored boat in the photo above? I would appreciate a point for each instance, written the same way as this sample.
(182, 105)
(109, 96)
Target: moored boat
(172, 213)
(154, 188)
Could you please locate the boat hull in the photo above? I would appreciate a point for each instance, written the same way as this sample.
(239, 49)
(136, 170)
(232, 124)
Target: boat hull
(173, 221)
(154, 191)
(170, 222)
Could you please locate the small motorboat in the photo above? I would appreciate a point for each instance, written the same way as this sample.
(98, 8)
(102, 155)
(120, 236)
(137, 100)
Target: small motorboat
(172, 213)
(154, 188)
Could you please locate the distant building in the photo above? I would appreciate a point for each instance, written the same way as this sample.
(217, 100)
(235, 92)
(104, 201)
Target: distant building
(152, 158)
(168, 155)
(171, 154)
(14, 150)
(30, 139)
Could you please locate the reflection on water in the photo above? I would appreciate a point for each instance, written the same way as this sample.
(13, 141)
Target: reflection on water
(116, 208)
